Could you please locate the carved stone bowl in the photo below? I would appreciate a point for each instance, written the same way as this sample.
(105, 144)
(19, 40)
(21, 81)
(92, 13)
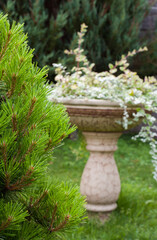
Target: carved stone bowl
(92, 115)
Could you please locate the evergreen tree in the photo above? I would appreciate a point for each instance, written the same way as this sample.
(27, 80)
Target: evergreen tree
(113, 28)
(33, 206)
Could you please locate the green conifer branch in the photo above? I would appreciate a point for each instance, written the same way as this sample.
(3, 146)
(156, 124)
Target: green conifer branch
(52, 218)
(24, 128)
(4, 154)
(13, 84)
(60, 139)
(4, 48)
(5, 224)
(30, 150)
(17, 154)
(25, 180)
(14, 122)
(33, 101)
(61, 225)
(49, 144)
(7, 180)
(42, 196)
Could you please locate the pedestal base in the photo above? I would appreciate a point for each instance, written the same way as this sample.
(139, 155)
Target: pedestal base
(100, 181)
(101, 208)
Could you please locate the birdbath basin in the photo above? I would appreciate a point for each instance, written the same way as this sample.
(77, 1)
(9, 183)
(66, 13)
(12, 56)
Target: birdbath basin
(101, 123)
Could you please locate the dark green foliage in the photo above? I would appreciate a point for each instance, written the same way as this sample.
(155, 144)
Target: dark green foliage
(114, 27)
(146, 63)
(32, 206)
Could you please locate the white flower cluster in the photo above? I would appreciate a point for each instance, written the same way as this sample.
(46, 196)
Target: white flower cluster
(125, 88)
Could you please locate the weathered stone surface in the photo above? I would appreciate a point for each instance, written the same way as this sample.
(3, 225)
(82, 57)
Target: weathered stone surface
(97, 119)
(100, 181)
(93, 115)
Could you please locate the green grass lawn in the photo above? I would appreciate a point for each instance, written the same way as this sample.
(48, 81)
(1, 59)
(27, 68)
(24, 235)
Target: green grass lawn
(136, 215)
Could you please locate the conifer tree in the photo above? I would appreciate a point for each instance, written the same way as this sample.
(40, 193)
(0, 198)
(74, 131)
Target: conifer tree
(113, 28)
(33, 206)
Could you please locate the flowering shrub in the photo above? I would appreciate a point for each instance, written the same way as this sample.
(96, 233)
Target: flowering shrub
(118, 84)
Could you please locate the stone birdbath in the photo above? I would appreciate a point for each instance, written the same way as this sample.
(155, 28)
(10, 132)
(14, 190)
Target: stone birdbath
(101, 123)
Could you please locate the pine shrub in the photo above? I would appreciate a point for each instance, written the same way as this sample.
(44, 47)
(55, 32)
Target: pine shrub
(33, 206)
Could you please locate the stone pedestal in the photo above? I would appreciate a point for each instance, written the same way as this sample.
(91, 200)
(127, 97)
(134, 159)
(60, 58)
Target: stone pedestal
(101, 123)
(100, 181)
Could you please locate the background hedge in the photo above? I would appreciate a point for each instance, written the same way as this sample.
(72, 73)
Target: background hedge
(113, 29)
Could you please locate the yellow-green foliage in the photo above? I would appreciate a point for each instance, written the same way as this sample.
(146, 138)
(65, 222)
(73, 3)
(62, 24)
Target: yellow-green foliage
(32, 205)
